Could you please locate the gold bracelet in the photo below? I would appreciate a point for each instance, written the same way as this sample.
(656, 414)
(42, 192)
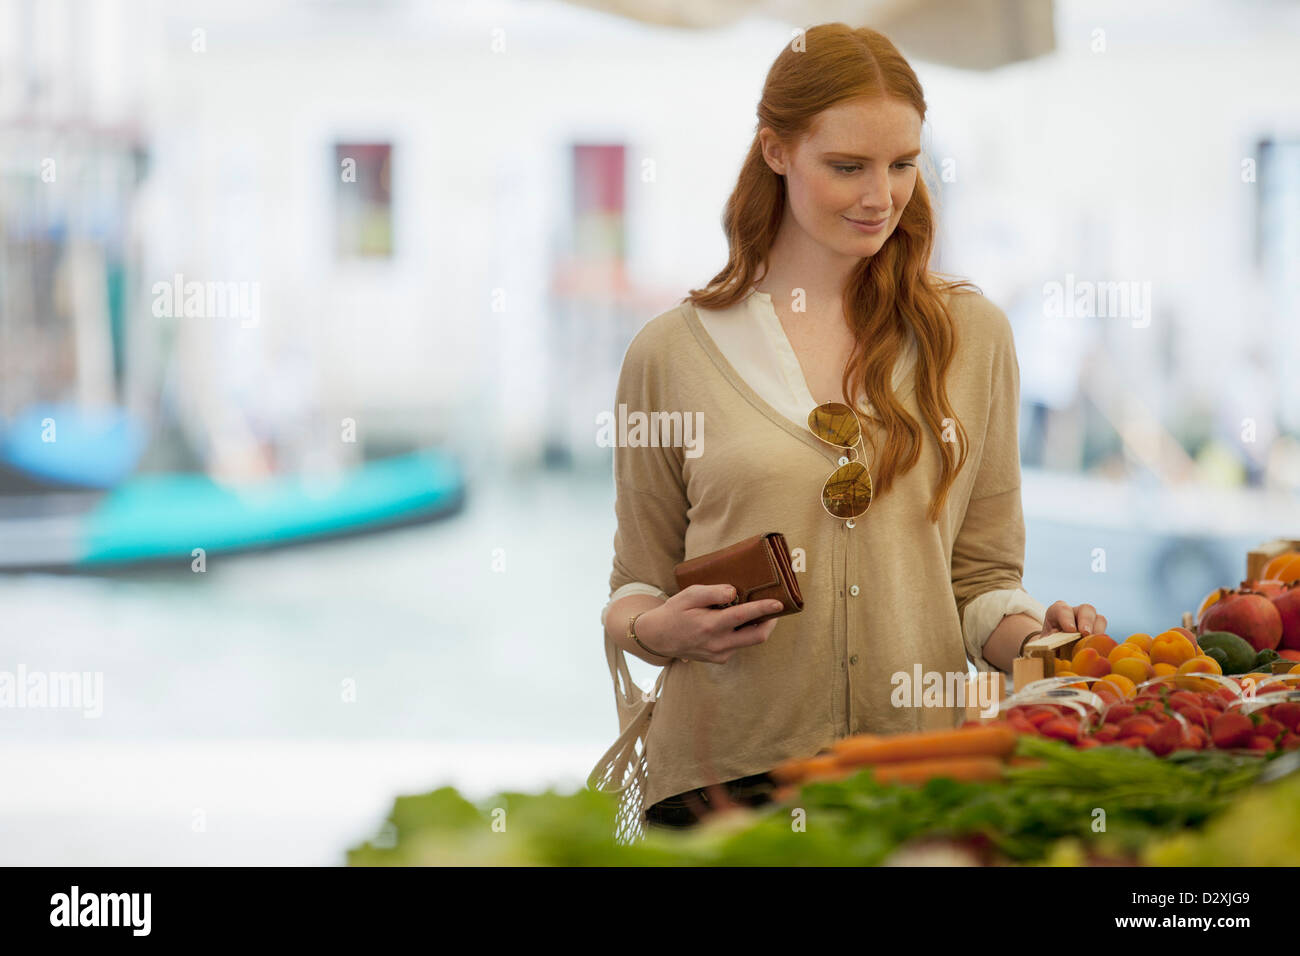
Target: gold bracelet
(631, 633)
(1026, 639)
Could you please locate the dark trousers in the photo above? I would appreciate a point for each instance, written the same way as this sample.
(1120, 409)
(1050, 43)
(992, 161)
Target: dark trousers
(684, 810)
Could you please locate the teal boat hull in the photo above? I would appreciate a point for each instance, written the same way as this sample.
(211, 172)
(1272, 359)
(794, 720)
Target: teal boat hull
(153, 518)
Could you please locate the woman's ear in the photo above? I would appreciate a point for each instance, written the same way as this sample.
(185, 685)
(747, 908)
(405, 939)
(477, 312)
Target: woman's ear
(774, 152)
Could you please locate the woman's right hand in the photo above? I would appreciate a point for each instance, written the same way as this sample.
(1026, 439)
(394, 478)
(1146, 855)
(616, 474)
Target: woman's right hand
(687, 625)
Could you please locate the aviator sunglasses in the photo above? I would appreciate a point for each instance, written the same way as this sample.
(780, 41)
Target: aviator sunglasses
(847, 492)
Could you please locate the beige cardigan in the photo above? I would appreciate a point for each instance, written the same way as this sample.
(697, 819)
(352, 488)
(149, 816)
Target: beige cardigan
(881, 598)
(750, 336)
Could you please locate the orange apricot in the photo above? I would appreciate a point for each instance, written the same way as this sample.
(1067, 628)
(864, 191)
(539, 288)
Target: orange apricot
(1141, 640)
(1089, 663)
(1126, 686)
(1171, 647)
(1103, 644)
(1200, 665)
(1127, 650)
(1133, 668)
(1161, 669)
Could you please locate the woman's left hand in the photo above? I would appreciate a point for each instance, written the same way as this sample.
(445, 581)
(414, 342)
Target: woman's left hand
(1084, 619)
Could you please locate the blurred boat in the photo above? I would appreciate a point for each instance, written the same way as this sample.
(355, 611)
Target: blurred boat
(163, 517)
(61, 447)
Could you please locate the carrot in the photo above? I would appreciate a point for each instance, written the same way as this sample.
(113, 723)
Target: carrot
(820, 767)
(952, 768)
(791, 771)
(966, 742)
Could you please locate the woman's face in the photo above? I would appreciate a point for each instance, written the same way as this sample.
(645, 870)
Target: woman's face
(857, 165)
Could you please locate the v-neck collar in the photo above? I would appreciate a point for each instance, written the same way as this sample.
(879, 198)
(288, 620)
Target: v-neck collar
(729, 372)
(770, 322)
(903, 383)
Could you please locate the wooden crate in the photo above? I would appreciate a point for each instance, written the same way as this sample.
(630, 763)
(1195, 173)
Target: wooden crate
(1049, 650)
(994, 686)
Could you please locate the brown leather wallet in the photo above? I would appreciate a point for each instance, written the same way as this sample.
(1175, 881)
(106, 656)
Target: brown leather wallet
(758, 568)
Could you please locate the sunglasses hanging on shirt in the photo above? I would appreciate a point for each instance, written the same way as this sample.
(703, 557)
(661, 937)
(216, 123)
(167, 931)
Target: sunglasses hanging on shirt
(847, 492)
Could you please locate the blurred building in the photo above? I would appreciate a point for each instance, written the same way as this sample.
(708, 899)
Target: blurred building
(532, 182)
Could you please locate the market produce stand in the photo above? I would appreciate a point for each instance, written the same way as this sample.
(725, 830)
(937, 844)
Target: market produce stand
(1142, 751)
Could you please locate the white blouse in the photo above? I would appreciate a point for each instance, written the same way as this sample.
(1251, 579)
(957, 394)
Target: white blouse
(750, 335)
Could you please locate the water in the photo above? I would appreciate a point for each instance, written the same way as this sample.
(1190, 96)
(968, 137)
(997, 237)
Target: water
(267, 711)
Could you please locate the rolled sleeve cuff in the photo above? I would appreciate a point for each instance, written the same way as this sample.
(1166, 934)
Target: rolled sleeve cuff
(632, 587)
(985, 612)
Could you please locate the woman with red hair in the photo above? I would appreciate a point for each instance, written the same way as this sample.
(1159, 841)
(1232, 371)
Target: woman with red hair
(825, 346)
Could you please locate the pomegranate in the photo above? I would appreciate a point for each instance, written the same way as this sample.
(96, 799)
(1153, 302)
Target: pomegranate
(1270, 589)
(1248, 614)
(1288, 608)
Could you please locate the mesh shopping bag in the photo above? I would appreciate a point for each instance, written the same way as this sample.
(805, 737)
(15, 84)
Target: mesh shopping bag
(622, 769)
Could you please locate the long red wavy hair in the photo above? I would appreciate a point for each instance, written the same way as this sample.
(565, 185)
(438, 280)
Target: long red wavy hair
(889, 293)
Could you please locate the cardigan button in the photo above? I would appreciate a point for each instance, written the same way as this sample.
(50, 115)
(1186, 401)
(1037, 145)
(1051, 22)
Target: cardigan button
(850, 523)
(844, 460)
(853, 659)
(854, 590)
